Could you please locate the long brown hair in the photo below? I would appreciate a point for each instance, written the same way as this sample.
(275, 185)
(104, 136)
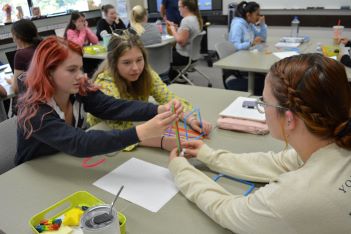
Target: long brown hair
(193, 7)
(316, 89)
(118, 45)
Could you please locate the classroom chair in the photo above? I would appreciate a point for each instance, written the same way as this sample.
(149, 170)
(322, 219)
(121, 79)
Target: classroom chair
(194, 56)
(8, 142)
(224, 49)
(160, 58)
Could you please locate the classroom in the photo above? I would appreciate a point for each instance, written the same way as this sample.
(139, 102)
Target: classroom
(175, 116)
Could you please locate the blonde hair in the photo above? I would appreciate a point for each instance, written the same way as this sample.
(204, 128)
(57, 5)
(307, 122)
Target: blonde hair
(137, 16)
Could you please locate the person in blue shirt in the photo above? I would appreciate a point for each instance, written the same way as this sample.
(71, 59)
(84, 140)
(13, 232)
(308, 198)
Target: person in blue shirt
(248, 27)
(170, 12)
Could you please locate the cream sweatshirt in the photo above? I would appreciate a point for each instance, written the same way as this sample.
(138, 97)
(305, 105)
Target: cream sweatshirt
(314, 197)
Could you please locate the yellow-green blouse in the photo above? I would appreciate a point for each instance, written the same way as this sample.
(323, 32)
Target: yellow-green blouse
(159, 91)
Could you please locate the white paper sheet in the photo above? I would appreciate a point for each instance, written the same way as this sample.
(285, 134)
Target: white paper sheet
(236, 110)
(145, 184)
(287, 44)
(285, 54)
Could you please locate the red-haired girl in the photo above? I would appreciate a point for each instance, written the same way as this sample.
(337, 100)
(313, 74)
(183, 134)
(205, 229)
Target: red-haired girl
(52, 111)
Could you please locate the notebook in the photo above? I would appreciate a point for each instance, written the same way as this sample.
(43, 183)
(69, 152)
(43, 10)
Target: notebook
(236, 110)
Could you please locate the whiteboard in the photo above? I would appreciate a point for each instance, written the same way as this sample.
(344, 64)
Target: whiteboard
(296, 4)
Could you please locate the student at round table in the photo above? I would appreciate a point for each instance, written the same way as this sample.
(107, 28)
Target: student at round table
(248, 27)
(148, 32)
(110, 22)
(307, 101)
(126, 74)
(190, 26)
(26, 37)
(78, 30)
(52, 112)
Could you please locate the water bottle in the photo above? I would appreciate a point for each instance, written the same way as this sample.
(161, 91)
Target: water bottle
(295, 27)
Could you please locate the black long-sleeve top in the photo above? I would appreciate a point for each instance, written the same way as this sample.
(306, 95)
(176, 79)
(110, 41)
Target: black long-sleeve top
(103, 25)
(346, 59)
(52, 134)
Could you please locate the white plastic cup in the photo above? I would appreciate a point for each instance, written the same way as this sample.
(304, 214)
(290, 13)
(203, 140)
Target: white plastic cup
(106, 39)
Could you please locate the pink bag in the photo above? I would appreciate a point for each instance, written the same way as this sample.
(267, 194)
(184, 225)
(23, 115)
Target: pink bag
(243, 125)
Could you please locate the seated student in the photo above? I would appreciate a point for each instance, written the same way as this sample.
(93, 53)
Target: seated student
(78, 31)
(26, 37)
(247, 29)
(52, 111)
(126, 74)
(243, 30)
(308, 188)
(149, 33)
(345, 53)
(110, 22)
(190, 26)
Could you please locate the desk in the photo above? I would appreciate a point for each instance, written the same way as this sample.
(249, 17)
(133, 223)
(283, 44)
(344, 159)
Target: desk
(252, 62)
(165, 38)
(35, 185)
(5, 74)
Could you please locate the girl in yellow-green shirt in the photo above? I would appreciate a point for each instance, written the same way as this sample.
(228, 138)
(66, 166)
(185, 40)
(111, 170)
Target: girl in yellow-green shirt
(126, 74)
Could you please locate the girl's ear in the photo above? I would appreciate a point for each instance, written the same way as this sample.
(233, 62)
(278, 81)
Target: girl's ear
(290, 120)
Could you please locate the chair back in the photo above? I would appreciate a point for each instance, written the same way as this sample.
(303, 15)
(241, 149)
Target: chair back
(224, 49)
(160, 56)
(195, 46)
(8, 142)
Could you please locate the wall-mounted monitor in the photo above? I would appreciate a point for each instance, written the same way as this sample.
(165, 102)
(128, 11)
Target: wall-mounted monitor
(204, 5)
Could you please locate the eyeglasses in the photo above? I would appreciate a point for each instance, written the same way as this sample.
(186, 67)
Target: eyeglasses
(121, 32)
(261, 105)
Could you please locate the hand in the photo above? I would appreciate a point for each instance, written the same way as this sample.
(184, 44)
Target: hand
(257, 40)
(86, 24)
(9, 80)
(156, 126)
(169, 143)
(262, 20)
(192, 147)
(178, 107)
(194, 123)
(343, 40)
(173, 154)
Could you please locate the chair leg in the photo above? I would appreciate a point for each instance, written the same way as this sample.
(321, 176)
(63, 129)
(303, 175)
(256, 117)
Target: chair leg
(209, 84)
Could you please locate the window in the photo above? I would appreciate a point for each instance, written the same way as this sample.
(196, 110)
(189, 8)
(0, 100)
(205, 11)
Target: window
(14, 4)
(48, 7)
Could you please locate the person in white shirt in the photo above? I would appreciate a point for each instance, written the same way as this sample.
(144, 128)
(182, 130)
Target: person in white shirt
(306, 100)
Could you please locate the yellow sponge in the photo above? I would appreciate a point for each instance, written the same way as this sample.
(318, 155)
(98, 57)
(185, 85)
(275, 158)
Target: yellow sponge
(72, 217)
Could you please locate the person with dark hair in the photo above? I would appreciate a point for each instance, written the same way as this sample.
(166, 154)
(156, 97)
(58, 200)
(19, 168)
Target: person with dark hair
(52, 111)
(170, 12)
(190, 26)
(344, 54)
(307, 102)
(110, 22)
(78, 30)
(248, 27)
(26, 37)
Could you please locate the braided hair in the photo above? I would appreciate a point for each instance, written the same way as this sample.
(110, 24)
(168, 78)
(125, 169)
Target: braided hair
(316, 89)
